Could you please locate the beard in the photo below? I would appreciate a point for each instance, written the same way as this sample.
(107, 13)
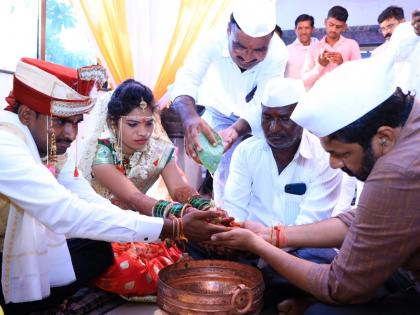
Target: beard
(367, 165)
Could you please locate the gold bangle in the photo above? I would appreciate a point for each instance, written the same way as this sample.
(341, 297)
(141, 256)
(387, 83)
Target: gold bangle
(183, 209)
(173, 227)
(167, 208)
(181, 233)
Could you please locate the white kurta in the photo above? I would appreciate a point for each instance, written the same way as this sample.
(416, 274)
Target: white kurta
(45, 210)
(406, 52)
(210, 76)
(255, 191)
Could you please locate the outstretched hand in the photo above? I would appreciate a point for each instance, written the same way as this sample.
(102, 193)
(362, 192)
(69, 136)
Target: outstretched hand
(238, 238)
(229, 136)
(255, 227)
(197, 226)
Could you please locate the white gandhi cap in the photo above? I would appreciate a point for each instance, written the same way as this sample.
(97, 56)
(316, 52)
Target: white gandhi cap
(256, 18)
(354, 88)
(281, 92)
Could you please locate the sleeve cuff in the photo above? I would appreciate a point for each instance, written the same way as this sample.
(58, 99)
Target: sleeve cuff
(149, 228)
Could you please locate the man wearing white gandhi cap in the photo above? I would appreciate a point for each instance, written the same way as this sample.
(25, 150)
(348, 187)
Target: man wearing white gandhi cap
(371, 130)
(226, 72)
(283, 178)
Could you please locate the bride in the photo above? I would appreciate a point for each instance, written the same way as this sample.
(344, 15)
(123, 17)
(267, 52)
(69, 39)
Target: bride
(122, 167)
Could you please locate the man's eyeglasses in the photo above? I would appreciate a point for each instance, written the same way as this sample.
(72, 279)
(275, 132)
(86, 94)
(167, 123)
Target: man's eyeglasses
(389, 27)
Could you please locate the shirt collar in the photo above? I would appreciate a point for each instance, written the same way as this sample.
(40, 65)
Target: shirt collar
(297, 42)
(305, 146)
(336, 43)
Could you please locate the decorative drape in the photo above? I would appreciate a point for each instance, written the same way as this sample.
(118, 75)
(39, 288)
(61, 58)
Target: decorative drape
(149, 39)
(106, 20)
(194, 17)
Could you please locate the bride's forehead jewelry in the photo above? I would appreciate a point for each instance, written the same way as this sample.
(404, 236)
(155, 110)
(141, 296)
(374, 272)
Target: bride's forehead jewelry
(139, 118)
(143, 105)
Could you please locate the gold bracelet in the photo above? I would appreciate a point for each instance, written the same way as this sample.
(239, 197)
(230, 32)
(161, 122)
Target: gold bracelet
(173, 227)
(183, 209)
(181, 233)
(167, 208)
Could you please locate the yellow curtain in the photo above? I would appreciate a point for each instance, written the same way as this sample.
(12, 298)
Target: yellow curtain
(193, 17)
(107, 21)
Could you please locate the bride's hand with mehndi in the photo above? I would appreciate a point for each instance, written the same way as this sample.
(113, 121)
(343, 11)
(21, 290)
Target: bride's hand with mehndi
(197, 227)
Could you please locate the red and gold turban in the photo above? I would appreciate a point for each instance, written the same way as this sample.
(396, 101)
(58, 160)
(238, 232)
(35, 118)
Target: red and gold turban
(53, 89)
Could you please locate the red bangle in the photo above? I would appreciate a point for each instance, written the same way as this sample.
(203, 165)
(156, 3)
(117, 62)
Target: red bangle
(271, 235)
(277, 235)
(281, 240)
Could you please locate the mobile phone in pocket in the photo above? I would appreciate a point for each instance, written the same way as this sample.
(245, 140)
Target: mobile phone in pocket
(295, 188)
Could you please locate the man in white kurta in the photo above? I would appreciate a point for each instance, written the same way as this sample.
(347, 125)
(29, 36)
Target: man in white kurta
(283, 178)
(388, 20)
(45, 208)
(226, 73)
(407, 68)
(257, 191)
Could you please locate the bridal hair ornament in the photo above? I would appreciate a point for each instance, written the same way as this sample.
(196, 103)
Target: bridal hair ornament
(143, 105)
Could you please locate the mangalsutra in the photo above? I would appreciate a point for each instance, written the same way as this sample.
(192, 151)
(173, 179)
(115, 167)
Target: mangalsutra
(125, 163)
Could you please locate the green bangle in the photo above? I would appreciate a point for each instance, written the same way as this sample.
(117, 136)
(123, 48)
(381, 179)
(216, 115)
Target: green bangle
(159, 208)
(200, 203)
(176, 209)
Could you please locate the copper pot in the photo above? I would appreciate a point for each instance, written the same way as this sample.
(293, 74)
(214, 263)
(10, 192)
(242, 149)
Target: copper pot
(210, 287)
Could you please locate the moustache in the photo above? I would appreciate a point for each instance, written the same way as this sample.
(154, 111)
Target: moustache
(64, 141)
(248, 62)
(276, 137)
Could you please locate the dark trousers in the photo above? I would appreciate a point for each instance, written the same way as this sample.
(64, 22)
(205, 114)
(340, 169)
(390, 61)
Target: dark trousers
(401, 303)
(396, 297)
(89, 258)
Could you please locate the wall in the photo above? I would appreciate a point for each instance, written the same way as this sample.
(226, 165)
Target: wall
(6, 81)
(361, 12)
